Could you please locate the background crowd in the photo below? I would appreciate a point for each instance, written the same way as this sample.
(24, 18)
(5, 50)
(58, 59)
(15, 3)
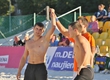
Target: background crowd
(55, 40)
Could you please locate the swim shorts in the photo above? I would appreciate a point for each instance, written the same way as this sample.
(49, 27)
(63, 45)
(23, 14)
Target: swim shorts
(35, 72)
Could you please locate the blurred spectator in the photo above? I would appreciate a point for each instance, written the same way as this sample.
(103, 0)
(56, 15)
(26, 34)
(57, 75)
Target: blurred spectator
(102, 12)
(54, 41)
(64, 42)
(26, 38)
(17, 41)
(60, 36)
(93, 25)
(107, 18)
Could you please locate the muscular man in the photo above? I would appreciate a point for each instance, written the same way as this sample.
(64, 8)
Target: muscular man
(82, 51)
(35, 50)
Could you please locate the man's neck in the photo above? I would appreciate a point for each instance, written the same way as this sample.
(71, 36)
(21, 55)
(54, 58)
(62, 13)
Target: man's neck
(84, 32)
(36, 38)
(78, 34)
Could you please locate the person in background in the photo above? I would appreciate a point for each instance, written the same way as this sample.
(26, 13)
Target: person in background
(54, 41)
(93, 25)
(102, 12)
(64, 42)
(26, 38)
(107, 18)
(60, 36)
(17, 41)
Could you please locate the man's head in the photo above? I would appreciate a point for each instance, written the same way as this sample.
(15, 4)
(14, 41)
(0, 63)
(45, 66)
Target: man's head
(38, 29)
(84, 23)
(74, 29)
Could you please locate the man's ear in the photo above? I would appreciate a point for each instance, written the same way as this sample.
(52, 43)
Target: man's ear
(75, 30)
(43, 30)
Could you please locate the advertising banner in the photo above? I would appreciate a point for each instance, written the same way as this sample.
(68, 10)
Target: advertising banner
(60, 58)
(10, 56)
(57, 58)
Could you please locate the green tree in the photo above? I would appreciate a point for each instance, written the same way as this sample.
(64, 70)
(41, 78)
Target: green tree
(61, 6)
(5, 7)
(26, 6)
(31, 6)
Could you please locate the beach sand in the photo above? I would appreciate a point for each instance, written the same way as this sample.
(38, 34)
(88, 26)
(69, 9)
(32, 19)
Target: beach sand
(10, 74)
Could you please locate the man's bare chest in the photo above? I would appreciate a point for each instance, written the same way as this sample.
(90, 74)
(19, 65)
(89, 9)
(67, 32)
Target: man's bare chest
(36, 46)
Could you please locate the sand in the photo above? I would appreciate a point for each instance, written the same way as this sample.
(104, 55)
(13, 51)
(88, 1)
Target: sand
(10, 74)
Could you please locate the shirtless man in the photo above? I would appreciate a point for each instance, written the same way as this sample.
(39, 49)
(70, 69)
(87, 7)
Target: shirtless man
(82, 52)
(35, 50)
(88, 36)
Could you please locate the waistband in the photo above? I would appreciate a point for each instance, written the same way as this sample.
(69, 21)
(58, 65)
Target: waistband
(88, 66)
(36, 64)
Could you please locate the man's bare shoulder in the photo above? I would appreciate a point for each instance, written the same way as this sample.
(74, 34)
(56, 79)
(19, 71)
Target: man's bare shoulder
(29, 42)
(81, 38)
(42, 38)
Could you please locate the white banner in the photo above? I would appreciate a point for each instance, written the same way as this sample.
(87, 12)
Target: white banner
(4, 59)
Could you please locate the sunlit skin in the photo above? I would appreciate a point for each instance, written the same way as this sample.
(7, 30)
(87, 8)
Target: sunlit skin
(82, 51)
(35, 49)
(38, 31)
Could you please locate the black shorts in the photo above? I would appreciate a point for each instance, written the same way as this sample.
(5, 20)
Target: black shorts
(35, 72)
(85, 74)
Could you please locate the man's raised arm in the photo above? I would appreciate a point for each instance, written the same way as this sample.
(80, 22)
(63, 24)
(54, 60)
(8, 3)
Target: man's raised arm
(62, 29)
(53, 26)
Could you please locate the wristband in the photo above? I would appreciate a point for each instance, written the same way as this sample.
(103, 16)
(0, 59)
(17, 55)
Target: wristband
(56, 19)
